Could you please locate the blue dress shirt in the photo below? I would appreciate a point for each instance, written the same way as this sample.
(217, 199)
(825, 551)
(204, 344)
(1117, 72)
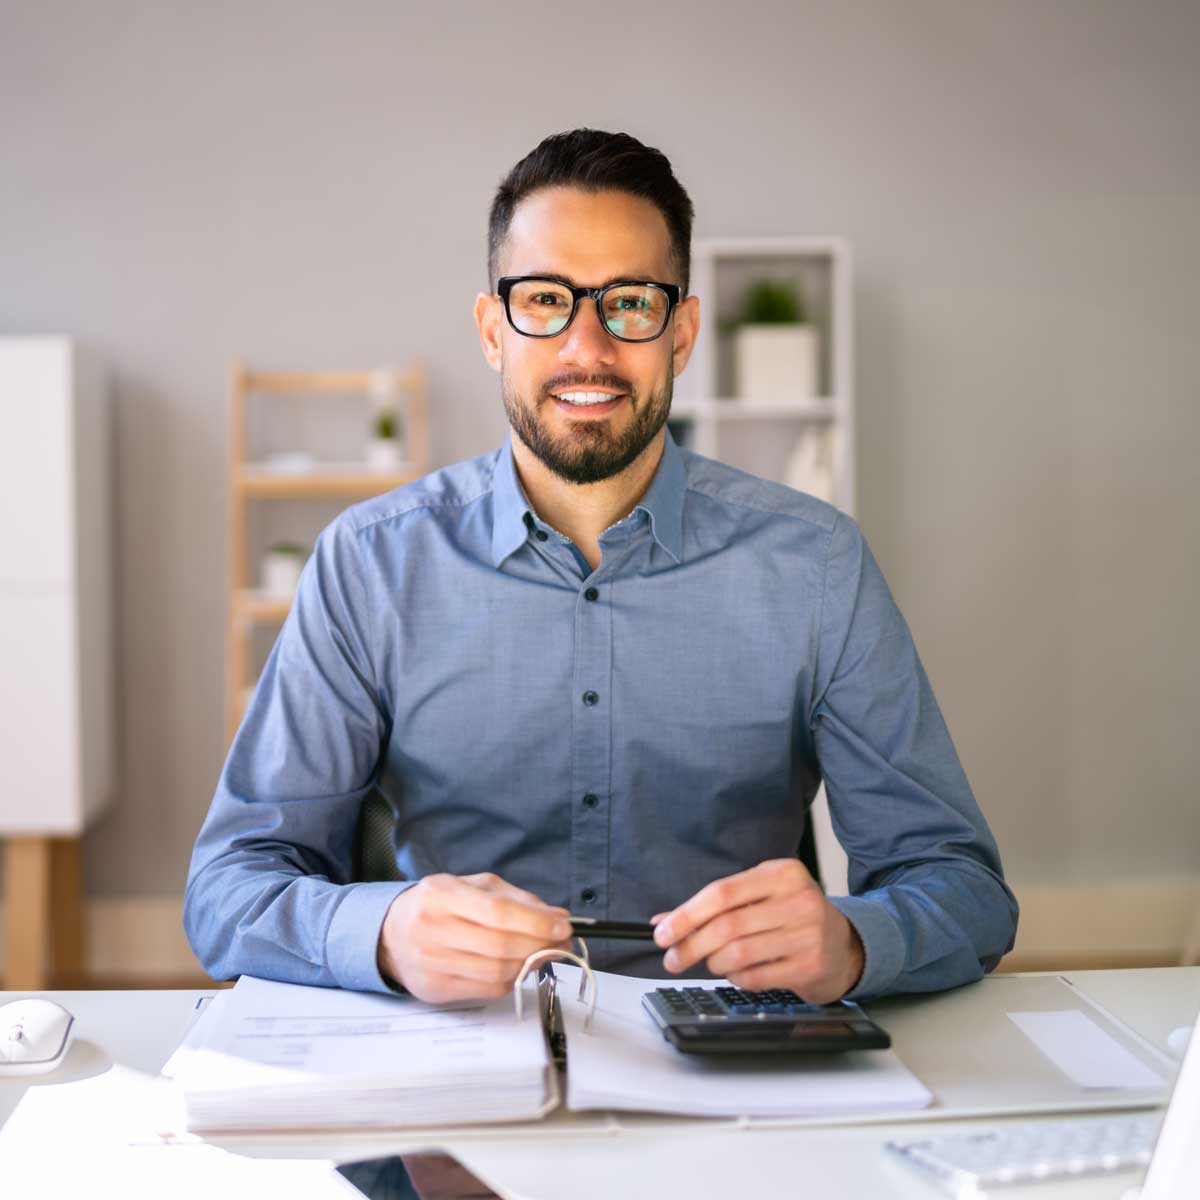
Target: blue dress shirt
(611, 740)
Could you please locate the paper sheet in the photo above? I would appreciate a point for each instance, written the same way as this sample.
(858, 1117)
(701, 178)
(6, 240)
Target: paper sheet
(266, 1032)
(1084, 1052)
(96, 1137)
(626, 1064)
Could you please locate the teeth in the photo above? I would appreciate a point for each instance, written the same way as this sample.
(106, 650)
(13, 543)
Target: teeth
(585, 397)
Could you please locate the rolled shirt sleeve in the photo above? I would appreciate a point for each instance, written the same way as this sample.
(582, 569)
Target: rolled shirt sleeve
(928, 896)
(271, 888)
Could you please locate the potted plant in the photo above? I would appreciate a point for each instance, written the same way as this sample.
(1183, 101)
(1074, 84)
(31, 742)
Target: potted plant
(385, 449)
(281, 568)
(775, 346)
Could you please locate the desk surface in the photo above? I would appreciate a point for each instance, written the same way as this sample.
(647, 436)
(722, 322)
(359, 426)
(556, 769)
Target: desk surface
(660, 1157)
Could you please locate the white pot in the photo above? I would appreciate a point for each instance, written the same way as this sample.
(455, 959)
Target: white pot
(384, 454)
(775, 362)
(281, 573)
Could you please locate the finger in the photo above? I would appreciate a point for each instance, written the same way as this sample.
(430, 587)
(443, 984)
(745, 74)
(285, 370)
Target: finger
(719, 896)
(495, 883)
(497, 910)
(753, 950)
(471, 938)
(782, 973)
(760, 917)
(478, 968)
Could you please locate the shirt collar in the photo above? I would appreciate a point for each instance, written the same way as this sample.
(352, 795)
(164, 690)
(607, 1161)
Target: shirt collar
(663, 502)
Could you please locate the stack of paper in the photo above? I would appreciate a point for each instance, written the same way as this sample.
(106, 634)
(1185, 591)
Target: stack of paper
(625, 1063)
(276, 1056)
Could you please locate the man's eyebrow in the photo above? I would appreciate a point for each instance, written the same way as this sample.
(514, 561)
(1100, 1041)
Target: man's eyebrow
(611, 279)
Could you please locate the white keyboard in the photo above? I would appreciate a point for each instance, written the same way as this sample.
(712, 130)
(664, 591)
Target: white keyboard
(1027, 1152)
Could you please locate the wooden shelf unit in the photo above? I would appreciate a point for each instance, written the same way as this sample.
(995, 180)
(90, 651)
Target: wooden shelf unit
(247, 606)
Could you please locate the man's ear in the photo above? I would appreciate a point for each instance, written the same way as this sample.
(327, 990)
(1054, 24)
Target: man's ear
(687, 329)
(487, 318)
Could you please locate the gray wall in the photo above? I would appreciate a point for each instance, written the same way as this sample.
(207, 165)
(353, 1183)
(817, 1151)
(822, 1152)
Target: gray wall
(185, 184)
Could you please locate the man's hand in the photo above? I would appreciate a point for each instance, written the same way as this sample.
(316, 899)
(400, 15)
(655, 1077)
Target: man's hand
(768, 927)
(465, 937)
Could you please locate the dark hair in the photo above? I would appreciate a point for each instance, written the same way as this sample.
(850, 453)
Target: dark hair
(596, 161)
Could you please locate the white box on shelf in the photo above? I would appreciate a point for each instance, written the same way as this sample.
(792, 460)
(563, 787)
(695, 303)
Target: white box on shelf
(775, 362)
(56, 617)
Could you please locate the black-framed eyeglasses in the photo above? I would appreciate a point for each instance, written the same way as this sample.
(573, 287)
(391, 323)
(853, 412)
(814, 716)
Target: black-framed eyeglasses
(631, 310)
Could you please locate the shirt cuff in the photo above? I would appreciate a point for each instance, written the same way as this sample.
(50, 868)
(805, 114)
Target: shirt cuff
(882, 941)
(352, 941)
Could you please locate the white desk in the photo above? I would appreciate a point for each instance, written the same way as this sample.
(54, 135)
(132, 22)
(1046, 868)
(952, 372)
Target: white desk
(652, 1157)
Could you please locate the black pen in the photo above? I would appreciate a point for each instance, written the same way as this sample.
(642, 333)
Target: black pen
(592, 927)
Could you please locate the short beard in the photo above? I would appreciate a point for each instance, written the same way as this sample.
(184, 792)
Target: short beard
(593, 454)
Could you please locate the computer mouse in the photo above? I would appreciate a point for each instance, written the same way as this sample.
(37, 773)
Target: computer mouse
(1177, 1040)
(34, 1036)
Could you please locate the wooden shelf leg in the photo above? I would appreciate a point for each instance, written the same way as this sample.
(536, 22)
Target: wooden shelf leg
(27, 913)
(66, 919)
(43, 913)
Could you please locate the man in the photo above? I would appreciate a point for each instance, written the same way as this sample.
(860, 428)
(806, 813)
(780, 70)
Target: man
(593, 672)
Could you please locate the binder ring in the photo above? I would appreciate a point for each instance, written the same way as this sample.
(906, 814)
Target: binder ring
(540, 956)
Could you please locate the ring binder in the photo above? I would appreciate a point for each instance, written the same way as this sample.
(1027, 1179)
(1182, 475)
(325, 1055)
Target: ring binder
(586, 976)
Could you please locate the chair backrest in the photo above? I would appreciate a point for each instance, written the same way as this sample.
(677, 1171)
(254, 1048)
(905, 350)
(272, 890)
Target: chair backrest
(806, 852)
(374, 850)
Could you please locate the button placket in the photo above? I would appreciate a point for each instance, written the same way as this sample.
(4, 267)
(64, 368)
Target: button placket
(592, 750)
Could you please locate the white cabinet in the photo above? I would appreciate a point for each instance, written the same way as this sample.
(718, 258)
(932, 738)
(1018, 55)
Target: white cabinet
(791, 434)
(56, 700)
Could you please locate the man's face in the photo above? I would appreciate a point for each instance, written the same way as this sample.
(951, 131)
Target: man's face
(588, 240)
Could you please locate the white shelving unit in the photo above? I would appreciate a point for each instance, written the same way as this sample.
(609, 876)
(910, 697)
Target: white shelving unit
(57, 747)
(757, 432)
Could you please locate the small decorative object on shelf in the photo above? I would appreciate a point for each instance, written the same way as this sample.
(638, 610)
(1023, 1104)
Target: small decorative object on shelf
(775, 348)
(291, 462)
(385, 449)
(810, 464)
(281, 568)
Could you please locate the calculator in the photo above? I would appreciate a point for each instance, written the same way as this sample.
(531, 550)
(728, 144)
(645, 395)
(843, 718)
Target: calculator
(729, 1020)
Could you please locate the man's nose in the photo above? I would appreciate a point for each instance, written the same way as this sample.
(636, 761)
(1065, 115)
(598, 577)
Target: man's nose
(586, 340)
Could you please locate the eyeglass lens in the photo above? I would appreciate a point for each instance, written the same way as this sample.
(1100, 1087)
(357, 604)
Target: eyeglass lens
(542, 308)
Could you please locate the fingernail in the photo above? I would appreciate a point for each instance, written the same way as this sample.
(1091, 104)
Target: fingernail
(562, 929)
(662, 933)
(671, 961)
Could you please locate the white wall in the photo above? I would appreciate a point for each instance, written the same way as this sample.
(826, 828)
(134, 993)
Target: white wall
(184, 184)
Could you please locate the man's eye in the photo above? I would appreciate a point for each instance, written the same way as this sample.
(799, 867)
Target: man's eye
(546, 299)
(631, 303)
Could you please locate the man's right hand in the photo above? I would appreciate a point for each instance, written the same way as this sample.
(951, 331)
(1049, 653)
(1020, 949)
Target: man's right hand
(464, 937)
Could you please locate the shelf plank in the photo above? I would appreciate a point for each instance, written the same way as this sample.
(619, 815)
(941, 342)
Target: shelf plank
(720, 409)
(323, 381)
(257, 605)
(253, 481)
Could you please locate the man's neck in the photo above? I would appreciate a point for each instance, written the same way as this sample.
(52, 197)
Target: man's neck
(584, 511)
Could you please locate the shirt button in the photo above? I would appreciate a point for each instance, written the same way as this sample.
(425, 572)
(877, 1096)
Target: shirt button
(591, 594)
(540, 534)
(591, 800)
(590, 698)
(588, 896)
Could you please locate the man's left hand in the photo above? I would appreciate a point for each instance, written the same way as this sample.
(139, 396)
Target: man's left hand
(768, 927)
